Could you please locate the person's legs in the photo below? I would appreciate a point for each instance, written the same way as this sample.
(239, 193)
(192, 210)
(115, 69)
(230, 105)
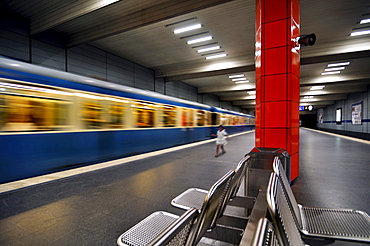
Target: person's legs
(217, 149)
(222, 148)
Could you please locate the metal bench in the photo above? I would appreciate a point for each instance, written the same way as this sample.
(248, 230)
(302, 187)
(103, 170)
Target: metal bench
(281, 214)
(330, 223)
(194, 197)
(161, 228)
(211, 209)
(160, 225)
(265, 234)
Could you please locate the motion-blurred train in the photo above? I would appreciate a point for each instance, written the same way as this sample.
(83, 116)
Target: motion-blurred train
(52, 120)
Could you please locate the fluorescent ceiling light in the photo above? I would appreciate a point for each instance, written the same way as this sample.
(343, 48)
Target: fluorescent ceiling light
(360, 33)
(239, 79)
(339, 64)
(215, 56)
(251, 92)
(334, 69)
(107, 2)
(317, 87)
(308, 97)
(236, 76)
(328, 73)
(188, 28)
(364, 21)
(209, 49)
(198, 40)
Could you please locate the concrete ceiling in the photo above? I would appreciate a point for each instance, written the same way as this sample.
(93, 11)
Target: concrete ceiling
(142, 31)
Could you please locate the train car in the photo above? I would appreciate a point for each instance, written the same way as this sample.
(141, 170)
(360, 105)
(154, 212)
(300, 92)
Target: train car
(52, 120)
(233, 122)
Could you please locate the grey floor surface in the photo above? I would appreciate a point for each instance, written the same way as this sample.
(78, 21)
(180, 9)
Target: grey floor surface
(96, 207)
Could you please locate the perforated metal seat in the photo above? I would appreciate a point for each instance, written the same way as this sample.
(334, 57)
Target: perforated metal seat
(331, 223)
(212, 206)
(194, 197)
(153, 229)
(281, 214)
(160, 228)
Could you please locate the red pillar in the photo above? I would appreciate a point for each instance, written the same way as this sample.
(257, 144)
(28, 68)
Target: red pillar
(278, 77)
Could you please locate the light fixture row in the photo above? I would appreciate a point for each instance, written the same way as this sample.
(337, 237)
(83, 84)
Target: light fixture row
(203, 48)
(362, 30)
(335, 68)
(239, 78)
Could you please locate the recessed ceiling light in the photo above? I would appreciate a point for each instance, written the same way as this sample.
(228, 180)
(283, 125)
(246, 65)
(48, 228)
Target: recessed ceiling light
(364, 21)
(317, 87)
(328, 73)
(359, 33)
(236, 76)
(242, 81)
(209, 49)
(239, 79)
(339, 64)
(334, 69)
(216, 56)
(198, 40)
(188, 28)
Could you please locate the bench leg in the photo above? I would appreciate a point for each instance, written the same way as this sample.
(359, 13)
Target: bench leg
(233, 221)
(225, 234)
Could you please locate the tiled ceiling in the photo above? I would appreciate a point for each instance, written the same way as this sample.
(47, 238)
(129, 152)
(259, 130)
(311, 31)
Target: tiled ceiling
(142, 31)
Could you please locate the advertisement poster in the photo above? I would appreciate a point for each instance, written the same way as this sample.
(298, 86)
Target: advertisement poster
(338, 116)
(356, 113)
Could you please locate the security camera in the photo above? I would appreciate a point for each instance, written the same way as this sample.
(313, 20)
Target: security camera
(307, 39)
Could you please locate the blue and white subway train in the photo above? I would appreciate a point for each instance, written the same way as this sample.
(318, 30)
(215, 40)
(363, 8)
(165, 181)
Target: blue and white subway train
(52, 120)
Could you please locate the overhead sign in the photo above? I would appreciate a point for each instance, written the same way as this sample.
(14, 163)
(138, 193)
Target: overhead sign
(306, 108)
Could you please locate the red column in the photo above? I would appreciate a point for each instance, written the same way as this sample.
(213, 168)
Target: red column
(278, 77)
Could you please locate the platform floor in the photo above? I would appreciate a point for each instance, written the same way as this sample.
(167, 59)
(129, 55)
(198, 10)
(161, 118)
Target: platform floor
(95, 207)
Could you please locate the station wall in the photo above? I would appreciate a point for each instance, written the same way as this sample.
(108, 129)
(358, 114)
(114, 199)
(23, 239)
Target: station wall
(326, 118)
(48, 50)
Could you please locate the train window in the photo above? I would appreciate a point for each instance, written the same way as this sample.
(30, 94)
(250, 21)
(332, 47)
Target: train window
(187, 117)
(209, 118)
(27, 107)
(61, 112)
(184, 117)
(215, 119)
(191, 117)
(92, 115)
(241, 120)
(2, 110)
(224, 119)
(116, 113)
(201, 118)
(169, 116)
(145, 114)
(245, 120)
(235, 120)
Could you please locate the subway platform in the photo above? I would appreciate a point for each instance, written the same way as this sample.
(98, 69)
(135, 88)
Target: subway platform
(93, 205)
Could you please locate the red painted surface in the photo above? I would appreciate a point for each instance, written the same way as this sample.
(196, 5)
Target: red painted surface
(278, 77)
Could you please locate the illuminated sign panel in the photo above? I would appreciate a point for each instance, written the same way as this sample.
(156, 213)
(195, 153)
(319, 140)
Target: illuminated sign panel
(306, 108)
